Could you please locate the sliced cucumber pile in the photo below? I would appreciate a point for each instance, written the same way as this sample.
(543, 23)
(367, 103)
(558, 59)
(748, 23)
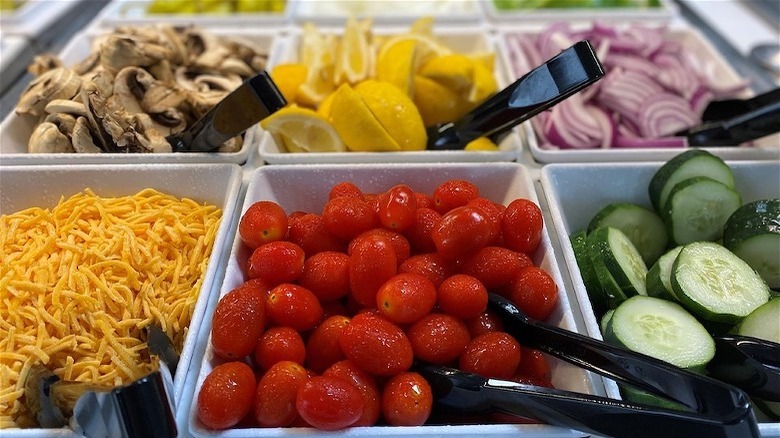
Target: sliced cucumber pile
(715, 284)
(763, 323)
(694, 204)
(752, 232)
(661, 329)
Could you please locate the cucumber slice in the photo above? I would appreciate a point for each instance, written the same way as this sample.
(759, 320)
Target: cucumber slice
(621, 258)
(716, 285)
(763, 323)
(636, 395)
(698, 208)
(598, 299)
(609, 287)
(753, 233)
(659, 277)
(643, 226)
(691, 163)
(661, 329)
(605, 321)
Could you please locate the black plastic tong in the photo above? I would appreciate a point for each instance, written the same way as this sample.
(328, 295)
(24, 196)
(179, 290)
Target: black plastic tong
(255, 99)
(707, 407)
(732, 122)
(540, 89)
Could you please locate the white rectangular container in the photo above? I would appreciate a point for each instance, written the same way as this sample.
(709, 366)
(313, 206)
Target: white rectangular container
(305, 187)
(389, 11)
(34, 18)
(576, 192)
(510, 17)
(692, 40)
(123, 12)
(460, 40)
(218, 184)
(15, 130)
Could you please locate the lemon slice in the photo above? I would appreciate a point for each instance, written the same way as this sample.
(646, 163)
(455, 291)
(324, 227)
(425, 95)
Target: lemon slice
(427, 48)
(422, 26)
(302, 130)
(357, 125)
(396, 65)
(396, 113)
(353, 57)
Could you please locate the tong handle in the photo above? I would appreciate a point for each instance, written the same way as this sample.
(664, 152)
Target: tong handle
(749, 126)
(729, 108)
(543, 87)
(255, 99)
(751, 364)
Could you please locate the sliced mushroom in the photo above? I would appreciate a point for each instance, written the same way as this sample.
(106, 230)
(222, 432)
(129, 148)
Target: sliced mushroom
(147, 136)
(224, 84)
(97, 106)
(163, 72)
(159, 97)
(88, 64)
(130, 86)
(43, 63)
(236, 66)
(103, 80)
(66, 106)
(82, 138)
(60, 83)
(170, 121)
(201, 103)
(52, 136)
(118, 52)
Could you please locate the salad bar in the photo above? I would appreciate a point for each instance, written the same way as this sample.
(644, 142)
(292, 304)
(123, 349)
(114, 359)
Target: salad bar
(492, 218)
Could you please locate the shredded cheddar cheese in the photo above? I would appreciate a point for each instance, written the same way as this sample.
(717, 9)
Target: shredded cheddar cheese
(80, 282)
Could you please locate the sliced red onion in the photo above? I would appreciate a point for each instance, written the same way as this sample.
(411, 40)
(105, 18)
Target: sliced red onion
(654, 87)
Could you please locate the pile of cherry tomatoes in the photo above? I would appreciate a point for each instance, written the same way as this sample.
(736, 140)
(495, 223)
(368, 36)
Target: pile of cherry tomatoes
(339, 304)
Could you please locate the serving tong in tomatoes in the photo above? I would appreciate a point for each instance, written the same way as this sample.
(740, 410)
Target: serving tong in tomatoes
(255, 99)
(142, 408)
(538, 90)
(702, 406)
(732, 122)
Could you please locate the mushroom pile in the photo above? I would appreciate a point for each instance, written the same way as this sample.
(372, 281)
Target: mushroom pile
(138, 86)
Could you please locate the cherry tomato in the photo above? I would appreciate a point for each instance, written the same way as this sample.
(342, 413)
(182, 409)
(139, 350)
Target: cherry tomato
(419, 233)
(345, 188)
(493, 354)
(486, 322)
(376, 345)
(309, 232)
(372, 262)
(293, 306)
(462, 296)
(326, 275)
(400, 243)
(322, 348)
(239, 320)
(396, 208)
(533, 364)
(367, 386)
(438, 338)
(277, 262)
(432, 266)
(278, 344)
(534, 292)
(493, 212)
(461, 232)
(453, 193)
(423, 200)
(274, 404)
(226, 395)
(346, 216)
(405, 298)
(495, 266)
(329, 403)
(521, 226)
(407, 400)
(263, 222)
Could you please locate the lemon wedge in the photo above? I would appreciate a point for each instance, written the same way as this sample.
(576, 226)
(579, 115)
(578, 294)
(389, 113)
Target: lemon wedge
(483, 84)
(353, 54)
(437, 103)
(481, 144)
(302, 130)
(454, 71)
(396, 65)
(360, 130)
(316, 53)
(288, 77)
(396, 113)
